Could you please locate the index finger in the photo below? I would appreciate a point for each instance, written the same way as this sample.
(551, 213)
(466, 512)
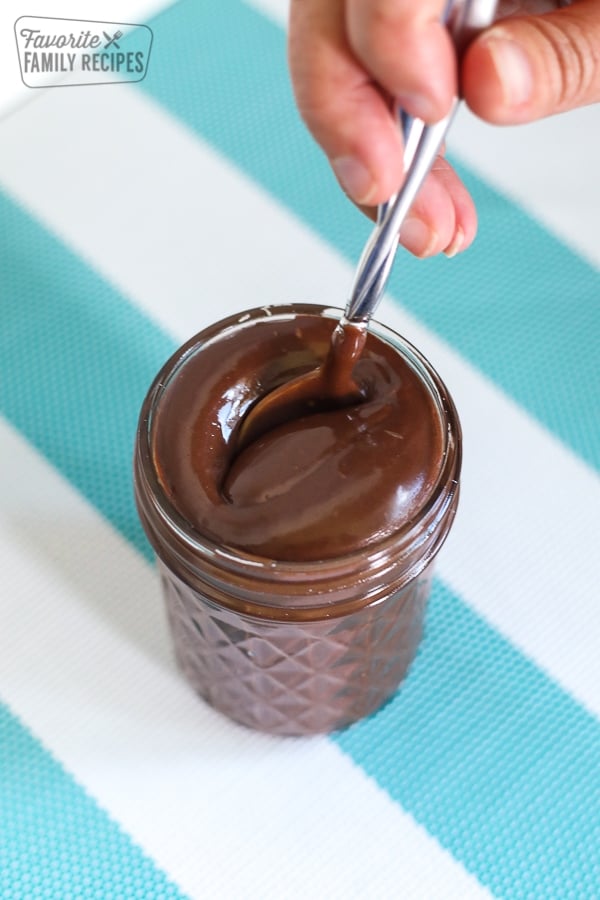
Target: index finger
(406, 48)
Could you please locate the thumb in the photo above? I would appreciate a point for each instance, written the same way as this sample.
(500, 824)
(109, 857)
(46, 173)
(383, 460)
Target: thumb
(528, 67)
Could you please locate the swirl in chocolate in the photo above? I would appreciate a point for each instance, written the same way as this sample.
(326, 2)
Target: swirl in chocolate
(327, 483)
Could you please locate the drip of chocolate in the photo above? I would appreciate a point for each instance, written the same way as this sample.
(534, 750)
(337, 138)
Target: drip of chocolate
(328, 386)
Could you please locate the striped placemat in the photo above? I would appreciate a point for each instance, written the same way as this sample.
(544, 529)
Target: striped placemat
(132, 216)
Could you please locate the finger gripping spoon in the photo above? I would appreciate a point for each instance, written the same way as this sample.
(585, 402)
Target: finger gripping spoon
(332, 384)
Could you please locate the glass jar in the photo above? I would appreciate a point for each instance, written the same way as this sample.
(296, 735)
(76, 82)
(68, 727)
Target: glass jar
(295, 647)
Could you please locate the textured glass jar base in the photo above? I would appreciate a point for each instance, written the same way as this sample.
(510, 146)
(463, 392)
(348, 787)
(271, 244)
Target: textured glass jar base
(295, 678)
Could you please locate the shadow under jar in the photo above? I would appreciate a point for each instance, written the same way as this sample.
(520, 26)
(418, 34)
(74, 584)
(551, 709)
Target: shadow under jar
(296, 573)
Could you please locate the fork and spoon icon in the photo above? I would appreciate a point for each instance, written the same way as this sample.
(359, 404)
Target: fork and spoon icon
(112, 40)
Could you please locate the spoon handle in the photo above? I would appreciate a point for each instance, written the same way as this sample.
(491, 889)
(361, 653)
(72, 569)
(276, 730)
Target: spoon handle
(412, 129)
(465, 19)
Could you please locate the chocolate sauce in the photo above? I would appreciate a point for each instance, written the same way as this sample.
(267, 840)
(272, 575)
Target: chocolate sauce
(330, 385)
(296, 572)
(329, 482)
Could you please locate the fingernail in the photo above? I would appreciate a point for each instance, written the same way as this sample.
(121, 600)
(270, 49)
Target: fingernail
(354, 178)
(455, 244)
(417, 237)
(419, 106)
(513, 70)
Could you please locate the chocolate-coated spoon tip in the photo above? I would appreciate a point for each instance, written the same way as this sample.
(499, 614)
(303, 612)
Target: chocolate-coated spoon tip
(329, 385)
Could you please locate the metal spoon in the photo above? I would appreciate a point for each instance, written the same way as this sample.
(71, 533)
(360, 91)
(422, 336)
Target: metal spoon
(332, 384)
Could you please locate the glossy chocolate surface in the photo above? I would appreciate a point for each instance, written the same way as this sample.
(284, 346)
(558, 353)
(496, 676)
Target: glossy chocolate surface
(319, 486)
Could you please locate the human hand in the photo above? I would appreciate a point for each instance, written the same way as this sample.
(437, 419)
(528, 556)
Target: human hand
(348, 58)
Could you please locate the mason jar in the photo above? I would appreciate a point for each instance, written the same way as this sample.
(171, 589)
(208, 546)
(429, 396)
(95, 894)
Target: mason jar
(294, 647)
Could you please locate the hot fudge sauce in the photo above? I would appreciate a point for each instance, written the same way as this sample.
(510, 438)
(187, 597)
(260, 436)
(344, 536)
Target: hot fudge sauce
(322, 485)
(296, 570)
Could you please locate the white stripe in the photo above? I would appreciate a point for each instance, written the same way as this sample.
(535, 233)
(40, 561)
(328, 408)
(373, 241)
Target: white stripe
(84, 659)
(549, 167)
(191, 239)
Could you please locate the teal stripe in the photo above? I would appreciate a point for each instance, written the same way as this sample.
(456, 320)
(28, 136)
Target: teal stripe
(55, 841)
(519, 305)
(484, 749)
(66, 335)
(493, 758)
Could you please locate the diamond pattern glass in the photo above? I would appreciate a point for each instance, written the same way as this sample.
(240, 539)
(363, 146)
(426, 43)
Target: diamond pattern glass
(295, 677)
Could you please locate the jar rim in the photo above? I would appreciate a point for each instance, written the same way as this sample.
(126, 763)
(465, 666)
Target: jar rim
(374, 555)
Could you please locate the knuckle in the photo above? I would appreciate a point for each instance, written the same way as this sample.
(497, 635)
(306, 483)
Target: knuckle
(312, 93)
(576, 60)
